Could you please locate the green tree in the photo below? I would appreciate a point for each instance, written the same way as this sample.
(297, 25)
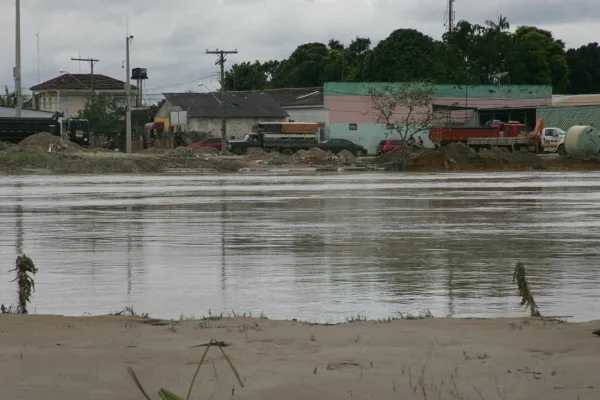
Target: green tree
(405, 108)
(584, 69)
(246, 76)
(305, 67)
(543, 58)
(9, 99)
(406, 55)
(104, 115)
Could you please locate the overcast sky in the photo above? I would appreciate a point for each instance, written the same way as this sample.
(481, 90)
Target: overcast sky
(170, 37)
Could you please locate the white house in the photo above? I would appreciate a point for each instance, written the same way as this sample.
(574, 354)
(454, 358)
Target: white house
(69, 92)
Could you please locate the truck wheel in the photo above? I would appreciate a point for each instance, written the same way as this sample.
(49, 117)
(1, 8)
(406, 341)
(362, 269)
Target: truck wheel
(238, 152)
(287, 152)
(561, 150)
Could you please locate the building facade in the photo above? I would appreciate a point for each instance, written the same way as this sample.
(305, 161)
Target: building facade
(68, 93)
(243, 111)
(351, 114)
(304, 105)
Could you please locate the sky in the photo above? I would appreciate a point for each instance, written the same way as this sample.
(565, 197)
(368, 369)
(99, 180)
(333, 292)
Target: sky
(171, 37)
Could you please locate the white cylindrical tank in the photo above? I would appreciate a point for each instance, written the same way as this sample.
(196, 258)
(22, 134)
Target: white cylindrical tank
(582, 139)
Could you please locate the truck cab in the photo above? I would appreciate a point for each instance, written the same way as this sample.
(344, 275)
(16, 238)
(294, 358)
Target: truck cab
(250, 140)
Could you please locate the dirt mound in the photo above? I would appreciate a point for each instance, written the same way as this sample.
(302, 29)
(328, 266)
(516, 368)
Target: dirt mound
(5, 145)
(347, 158)
(314, 156)
(272, 157)
(193, 152)
(156, 150)
(48, 142)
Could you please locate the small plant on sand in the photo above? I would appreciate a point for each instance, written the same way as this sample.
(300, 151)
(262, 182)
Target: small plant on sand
(24, 269)
(165, 394)
(520, 277)
(130, 311)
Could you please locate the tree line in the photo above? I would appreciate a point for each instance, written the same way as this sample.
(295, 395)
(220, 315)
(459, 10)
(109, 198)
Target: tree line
(471, 54)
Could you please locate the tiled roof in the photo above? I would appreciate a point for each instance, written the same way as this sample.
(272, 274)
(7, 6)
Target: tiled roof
(81, 82)
(298, 97)
(239, 104)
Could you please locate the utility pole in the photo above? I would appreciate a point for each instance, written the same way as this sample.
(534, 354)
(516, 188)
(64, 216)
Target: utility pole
(128, 94)
(17, 71)
(92, 62)
(450, 15)
(221, 62)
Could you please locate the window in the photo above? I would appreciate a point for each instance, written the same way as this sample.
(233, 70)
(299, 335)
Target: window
(213, 140)
(389, 126)
(353, 127)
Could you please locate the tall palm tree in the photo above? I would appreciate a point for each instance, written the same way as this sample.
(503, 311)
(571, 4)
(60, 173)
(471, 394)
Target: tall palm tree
(500, 26)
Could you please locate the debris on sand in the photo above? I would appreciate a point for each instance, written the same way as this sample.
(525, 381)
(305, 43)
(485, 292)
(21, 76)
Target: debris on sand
(260, 156)
(348, 159)
(45, 141)
(5, 145)
(314, 156)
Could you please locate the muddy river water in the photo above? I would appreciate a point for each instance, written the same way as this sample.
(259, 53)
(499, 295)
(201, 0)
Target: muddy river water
(322, 247)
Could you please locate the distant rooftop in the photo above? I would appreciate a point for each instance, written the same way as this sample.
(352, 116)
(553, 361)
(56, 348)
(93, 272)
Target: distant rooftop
(298, 97)
(239, 104)
(576, 100)
(81, 82)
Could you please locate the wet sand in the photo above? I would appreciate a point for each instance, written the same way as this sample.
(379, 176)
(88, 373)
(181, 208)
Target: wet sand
(54, 357)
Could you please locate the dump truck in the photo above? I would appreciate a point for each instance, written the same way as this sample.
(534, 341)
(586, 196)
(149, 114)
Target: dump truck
(284, 137)
(15, 129)
(511, 135)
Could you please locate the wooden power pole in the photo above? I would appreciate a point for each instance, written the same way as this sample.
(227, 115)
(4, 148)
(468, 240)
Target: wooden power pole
(221, 62)
(92, 62)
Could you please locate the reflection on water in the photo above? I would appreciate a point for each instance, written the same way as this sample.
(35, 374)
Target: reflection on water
(308, 247)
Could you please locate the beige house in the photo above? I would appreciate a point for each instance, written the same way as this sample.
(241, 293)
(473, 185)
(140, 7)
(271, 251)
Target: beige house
(69, 92)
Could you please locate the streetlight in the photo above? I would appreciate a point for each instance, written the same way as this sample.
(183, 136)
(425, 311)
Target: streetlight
(209, 91)
(64, 71)
(128, 40)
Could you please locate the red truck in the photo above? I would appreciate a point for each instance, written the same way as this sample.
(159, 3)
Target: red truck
(446, 135)
(512, 135)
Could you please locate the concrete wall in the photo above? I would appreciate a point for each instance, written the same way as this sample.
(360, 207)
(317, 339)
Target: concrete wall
(349, 103)
(304, 114)
(71, 102)
(236, 127)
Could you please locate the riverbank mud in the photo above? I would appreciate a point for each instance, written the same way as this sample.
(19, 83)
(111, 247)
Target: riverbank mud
(45, 153)
(54, 357)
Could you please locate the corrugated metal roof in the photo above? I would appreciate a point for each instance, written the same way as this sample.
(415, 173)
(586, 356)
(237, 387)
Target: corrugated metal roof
(565, 117)
(239, 105)
(298, 97)
(580, 99)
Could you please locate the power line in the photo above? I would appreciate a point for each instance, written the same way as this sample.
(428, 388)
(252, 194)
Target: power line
(92, 62)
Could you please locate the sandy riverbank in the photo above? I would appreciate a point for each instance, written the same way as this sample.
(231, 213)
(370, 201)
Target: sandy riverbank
(53, 357)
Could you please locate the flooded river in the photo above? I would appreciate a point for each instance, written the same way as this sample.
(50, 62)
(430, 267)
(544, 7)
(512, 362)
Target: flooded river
(310, 247)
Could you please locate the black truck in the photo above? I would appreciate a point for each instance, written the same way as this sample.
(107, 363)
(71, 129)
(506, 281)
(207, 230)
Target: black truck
(284, 137)
(13, 129)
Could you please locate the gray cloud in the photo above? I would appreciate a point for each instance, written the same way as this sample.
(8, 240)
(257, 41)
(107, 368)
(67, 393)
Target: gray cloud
(171, 37)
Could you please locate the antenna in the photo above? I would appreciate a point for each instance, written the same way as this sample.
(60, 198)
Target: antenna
(451, 16)
(37, 35)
